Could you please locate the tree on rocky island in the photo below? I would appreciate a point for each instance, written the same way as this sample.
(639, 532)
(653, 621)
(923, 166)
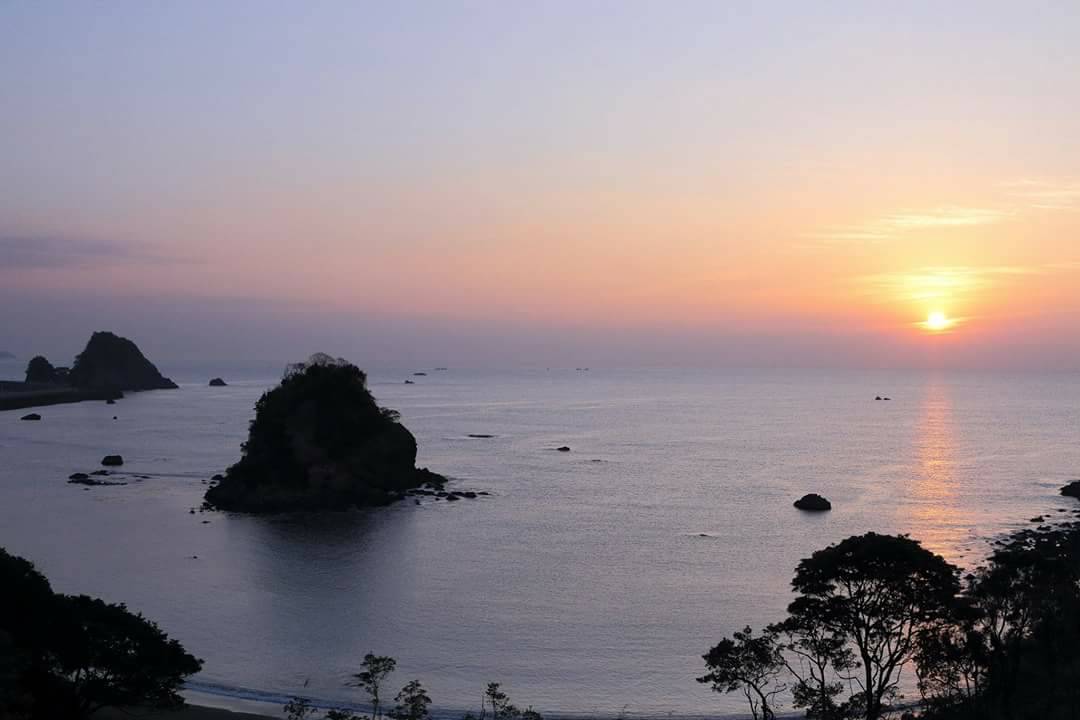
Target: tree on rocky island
(40, 370)
(319, 441)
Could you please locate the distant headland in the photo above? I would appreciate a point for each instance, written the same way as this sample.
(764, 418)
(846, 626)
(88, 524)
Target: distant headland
(5, 355)
(104, 370)
(319, 441)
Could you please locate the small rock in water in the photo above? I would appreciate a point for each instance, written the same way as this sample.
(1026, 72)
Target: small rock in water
(31, 416)
(112, 460)
(1038, 519)
(451, 498)
(813, 502)
(217, 382)
(564, 448)
(110, 401)
(480, 435)
(78, 476)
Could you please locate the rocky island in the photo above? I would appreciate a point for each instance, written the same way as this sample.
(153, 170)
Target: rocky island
(113, 361)
(319, 441)
(108, 366)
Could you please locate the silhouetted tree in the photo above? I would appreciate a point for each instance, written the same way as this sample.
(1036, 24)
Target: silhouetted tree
(412, 702)
(818, 659)
(376, 668)
(40, 370)
(750, 664)
(878, 593)
(112, 657)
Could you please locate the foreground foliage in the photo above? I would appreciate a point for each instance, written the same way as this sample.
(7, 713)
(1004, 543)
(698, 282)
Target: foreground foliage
(1002, 644)
(64, 656)
(411, 703)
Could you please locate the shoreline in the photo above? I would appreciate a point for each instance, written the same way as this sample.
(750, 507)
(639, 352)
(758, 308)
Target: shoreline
(18, 396)
(187, 712)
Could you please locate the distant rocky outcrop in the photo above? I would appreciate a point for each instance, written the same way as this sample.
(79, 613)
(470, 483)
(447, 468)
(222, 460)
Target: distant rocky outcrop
(218, 382)
(1072, 489)
(319, 441)
(112, 460)
(813, 502)
(111, 361)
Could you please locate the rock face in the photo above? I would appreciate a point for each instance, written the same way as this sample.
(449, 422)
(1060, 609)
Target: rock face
(112, 460)
(319, 442)
(31, 416)
(813, 502)
(110, 361)
(1072, 489)
(218, 382)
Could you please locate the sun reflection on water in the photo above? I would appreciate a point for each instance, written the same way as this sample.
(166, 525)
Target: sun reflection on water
(936, 518)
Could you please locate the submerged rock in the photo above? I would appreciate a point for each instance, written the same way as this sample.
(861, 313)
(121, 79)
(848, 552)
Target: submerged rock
(813, 502)
(319, 441)
(218, 382)
(31, 416)
(112, 460)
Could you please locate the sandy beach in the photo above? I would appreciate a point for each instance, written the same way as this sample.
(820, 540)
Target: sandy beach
(187, 712)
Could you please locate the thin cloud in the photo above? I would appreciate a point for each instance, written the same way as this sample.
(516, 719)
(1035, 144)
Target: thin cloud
(951, 282)
(897, 224)
(1046, 194)
(25, 252)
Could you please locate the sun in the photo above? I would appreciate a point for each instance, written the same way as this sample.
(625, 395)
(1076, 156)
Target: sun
(937, 321)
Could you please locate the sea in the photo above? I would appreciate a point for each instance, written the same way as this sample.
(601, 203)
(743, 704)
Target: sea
(589, 582)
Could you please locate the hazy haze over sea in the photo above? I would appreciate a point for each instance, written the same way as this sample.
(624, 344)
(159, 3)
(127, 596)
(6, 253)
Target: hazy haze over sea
(589, 581)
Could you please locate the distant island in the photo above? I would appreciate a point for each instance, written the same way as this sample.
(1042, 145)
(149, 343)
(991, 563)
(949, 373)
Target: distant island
(113, 361)
(108, 366)
(5, 355)
(319, 441)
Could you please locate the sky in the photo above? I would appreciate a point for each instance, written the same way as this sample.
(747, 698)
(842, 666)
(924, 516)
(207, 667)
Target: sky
(502, 184)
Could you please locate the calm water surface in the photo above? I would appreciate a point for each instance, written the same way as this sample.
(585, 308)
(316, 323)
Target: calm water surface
(589, 582)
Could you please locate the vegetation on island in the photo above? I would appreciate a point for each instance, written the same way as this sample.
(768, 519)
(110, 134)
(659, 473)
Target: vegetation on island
(319, 441)
(39, 370)
(411, 702)
(68, 656)
(998, 644)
